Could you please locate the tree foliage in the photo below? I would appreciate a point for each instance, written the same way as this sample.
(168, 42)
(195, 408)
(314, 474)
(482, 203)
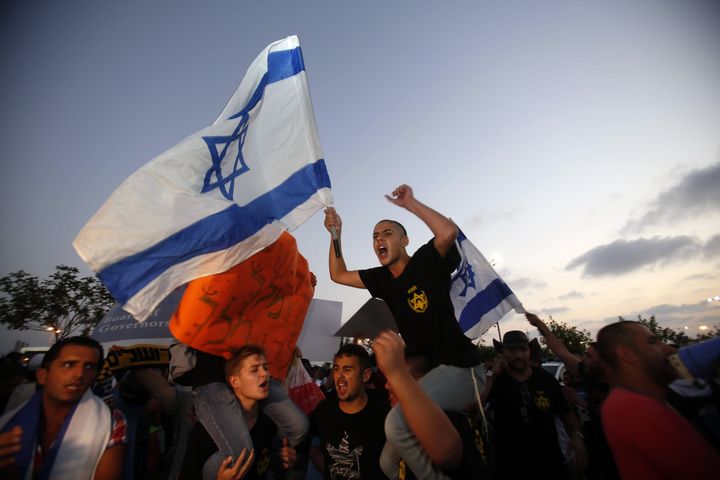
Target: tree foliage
(715, 332)
(574, 339)
(667, 335)
(64, 301)
(677, 337)
(487, 352)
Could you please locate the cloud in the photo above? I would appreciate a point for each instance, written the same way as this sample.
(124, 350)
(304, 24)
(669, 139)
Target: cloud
(571, 295)
(623, 256)
(712, 246)
(697, 193)
(677, 317)
(595, 325)
(525, 282)
(684, 309)
(701, 276)
(520, 283)
(489, 217)
(554, 310)
(710, 320)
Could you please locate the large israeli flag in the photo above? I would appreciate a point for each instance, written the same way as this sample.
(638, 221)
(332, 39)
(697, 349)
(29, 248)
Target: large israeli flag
(221, 195)
(479, 295)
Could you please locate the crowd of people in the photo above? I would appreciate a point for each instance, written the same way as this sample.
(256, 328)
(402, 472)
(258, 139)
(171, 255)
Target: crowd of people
(418, 404)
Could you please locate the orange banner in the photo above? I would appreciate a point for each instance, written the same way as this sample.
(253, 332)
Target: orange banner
(262, 300)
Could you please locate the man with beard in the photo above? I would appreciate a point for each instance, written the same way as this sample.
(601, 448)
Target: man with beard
(524, 401)
(350, 426)
(647, 437)
(592, 374)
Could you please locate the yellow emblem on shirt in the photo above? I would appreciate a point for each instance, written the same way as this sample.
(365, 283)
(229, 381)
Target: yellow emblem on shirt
(418, 301)
(542, 401)
(263, 461)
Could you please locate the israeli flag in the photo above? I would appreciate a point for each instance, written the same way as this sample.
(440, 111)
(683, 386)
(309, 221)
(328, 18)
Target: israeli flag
(221, 195)
(479, 295)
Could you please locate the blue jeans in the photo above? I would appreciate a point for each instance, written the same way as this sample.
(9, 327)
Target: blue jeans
(221, 415)
(449, 387)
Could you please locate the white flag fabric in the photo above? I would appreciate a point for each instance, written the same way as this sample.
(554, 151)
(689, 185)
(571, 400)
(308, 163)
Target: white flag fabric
(219, 196)
(479, 295)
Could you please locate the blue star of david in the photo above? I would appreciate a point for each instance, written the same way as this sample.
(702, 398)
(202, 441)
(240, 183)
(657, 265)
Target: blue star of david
(214, 177)
(467, 276)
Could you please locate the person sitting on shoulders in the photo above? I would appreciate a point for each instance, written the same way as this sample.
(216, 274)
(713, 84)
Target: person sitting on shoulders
(417, 291)
(248, 376)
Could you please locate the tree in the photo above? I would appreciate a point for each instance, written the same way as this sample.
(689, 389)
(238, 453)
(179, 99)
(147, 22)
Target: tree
(667, 335)
(487, 352)
(64, 304)
(574, 339)
(715, 332)
(677, 337)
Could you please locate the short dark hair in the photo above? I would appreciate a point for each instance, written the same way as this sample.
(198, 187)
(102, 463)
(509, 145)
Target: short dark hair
(12, 371)
(419, 362)
(610, 337)
(232, 365)
(402, 229)
(354, 350)
(54, 352)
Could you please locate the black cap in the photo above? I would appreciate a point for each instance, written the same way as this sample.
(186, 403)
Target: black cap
(513, 338)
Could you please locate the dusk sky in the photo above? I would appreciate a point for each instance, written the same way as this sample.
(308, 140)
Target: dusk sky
(577, 144)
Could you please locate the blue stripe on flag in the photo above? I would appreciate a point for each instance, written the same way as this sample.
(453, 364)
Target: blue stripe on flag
(217, 232)
(461, 236)
(483, 302)
(284, 64)
(280, 65)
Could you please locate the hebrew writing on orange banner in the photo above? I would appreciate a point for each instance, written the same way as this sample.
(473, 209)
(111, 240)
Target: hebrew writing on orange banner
(262, 300)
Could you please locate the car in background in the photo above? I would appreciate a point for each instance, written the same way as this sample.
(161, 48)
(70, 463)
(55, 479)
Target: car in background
(32, 356)
(556, 369)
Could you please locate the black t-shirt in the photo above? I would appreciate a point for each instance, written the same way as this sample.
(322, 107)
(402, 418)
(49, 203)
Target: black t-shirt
(350, 443)
(524, 421)
(200, 447)
(419, 299)
(474, 460)
(600, 458)
(208, 369)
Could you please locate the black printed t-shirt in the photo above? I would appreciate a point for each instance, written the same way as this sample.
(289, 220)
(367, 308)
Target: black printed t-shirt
(419, 299)
(474, 460)
(524, 421)
(200, 447)
(350, 443)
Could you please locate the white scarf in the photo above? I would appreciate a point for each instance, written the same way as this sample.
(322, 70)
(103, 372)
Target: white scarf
(84, 441)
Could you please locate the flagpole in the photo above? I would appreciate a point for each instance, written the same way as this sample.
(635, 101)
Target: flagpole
(499, 334)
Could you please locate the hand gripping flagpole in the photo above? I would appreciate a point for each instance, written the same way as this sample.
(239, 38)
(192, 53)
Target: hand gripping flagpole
(334, 235)
(336, 241)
